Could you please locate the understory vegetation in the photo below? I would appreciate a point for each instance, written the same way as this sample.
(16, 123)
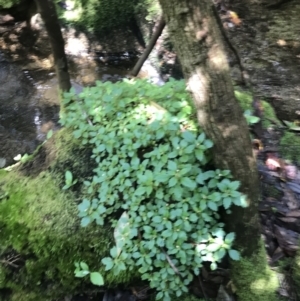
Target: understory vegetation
(41, 238)
(98, 15)
(153, 181)
(95, 15)
(144, 189)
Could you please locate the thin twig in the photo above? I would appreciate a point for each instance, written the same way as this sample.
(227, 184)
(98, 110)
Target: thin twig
(9, 263)
(202, 287)
(172, 264)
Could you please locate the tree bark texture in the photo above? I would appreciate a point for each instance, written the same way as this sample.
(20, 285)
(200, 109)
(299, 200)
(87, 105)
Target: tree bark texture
(198, 43)
(48, 13)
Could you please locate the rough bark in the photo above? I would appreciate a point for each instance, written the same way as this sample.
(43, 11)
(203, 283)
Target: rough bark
(49, 16)
(198, 43)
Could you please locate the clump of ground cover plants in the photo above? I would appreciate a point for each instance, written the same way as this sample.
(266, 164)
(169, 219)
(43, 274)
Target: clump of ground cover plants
(153, 182)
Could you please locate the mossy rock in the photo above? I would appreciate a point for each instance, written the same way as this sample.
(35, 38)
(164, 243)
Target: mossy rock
(290, 146)
(245, 100)
(41, 237)
(256, 278)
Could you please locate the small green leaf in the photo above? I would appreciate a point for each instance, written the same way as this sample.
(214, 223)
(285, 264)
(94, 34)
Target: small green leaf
(229, 238)
(213, 247)
(226, 202)
(208, 143)
(96, 278)
(219, 254)
(189, 136)
(172, 165)
(49, 134)
(140, 191)
(172, 182)
(234, 185)
(85, 221)
(212, 205)
(69, 177)
(213, 266)
(187, 182)
(84, 205)
(199, 154)
(84, 266)
(108, 262)
(114, 252)
(201, 138)
(81, 273)
(234, 255)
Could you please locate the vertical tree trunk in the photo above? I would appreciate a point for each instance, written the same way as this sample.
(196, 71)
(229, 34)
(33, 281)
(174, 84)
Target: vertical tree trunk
(197, 39)
(48, 13)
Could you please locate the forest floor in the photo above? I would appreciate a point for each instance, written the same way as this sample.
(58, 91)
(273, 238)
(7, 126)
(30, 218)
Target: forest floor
(280, 179)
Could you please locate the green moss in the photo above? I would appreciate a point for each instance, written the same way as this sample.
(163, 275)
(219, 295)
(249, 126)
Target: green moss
(99, 15)
(296, 273)
(186, 297)
(253, 279)
(8, 3)
(40, 227)
(289, 146)
(245, 99)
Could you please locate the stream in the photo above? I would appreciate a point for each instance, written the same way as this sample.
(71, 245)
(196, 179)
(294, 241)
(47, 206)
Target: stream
(29, 105)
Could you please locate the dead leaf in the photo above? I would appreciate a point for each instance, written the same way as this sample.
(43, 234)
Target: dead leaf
(288, 219)
(273, 163)
(291, 171)
(234, 18)
(293, 213)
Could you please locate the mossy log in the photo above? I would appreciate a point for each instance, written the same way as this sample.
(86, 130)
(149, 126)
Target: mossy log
(41, 237)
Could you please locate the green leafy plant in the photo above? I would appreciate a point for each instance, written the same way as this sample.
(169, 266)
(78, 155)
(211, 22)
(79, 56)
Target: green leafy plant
(69, 180)
(250, 118)
(152, 182)
(82, 270)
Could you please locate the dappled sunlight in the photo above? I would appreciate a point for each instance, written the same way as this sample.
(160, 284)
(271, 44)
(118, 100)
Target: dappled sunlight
(217, 58)
(228, 130)
(198, 83)
(73, 10)
(76, 44)
(265, 283)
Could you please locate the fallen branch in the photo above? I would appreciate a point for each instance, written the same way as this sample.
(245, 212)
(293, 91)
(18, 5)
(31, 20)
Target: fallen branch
(160, 26)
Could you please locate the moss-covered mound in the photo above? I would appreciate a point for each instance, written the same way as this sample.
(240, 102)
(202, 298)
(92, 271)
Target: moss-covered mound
(245, 100)
(289, 146)
(41, 237)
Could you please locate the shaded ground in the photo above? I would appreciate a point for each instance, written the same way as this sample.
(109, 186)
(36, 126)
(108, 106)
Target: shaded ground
(268, 43)
(29, 109)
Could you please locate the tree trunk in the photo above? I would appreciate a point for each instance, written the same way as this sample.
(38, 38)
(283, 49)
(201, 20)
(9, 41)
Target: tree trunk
(194, 31)
(49, 16)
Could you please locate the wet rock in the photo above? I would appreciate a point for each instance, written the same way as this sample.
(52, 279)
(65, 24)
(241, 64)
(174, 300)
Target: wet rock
(6, 19)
